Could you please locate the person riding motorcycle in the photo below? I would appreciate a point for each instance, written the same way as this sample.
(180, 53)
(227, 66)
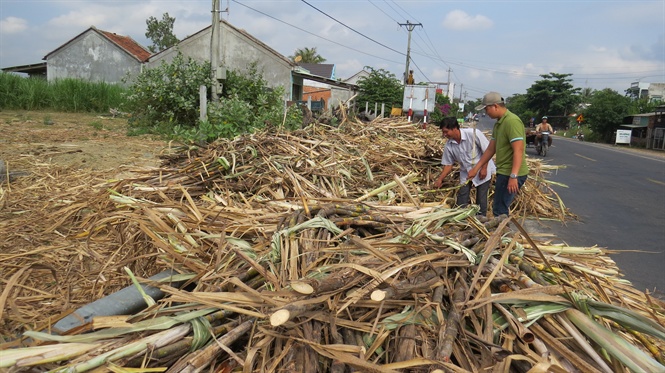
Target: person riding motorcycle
(544, 126)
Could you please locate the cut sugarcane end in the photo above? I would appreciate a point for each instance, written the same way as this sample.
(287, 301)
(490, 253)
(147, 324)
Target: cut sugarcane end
(378, 295)
(302, 287)
(280, 317)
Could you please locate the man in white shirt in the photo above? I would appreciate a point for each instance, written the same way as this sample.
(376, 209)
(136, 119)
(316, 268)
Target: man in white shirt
(465, 146)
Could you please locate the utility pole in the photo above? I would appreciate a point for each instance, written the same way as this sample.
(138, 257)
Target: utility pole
(409, 26)
(450, 91)
(218, 73)
(214, 49)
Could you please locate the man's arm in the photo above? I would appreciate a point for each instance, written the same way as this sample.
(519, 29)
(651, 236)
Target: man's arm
(446, 171)
(484, 159)
(483, 143)
(518, 154)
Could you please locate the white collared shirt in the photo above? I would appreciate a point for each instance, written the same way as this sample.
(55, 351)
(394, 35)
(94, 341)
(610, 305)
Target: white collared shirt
(468, 155)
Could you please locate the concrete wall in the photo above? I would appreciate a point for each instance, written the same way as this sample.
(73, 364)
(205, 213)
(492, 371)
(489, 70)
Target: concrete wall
(94, 58)
(237, 52)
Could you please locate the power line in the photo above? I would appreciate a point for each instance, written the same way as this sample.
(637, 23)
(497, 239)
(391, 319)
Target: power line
(350, 28)
(311, 33)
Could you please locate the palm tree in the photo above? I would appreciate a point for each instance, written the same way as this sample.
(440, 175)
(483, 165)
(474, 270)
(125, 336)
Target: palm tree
(307, 55)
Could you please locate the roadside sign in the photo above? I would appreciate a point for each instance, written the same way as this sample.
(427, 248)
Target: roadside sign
(623, 137)
(580, 119)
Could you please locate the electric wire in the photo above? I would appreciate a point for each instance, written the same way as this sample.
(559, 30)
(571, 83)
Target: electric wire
(313, 34)
(350, 28)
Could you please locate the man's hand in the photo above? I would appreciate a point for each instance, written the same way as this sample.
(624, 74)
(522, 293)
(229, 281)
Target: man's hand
(513, 186)
(472, 173)
(482, 173)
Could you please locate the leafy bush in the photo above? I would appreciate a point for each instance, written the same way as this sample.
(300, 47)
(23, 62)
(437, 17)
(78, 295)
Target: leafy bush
(167, 96)
(165, 100)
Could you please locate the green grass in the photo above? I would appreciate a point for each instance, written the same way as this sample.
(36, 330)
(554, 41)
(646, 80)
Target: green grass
(65, 95)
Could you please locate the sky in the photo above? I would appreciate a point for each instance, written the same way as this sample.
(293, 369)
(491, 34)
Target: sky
(478, 45)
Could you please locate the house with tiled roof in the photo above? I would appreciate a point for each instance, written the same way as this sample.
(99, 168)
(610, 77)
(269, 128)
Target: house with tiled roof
(237, 52)
(98, 56)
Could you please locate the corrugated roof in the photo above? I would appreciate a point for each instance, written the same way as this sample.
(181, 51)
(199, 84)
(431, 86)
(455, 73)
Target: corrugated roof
(326, 70)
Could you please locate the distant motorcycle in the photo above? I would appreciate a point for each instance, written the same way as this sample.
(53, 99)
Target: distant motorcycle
(580, 136)
(544, 141)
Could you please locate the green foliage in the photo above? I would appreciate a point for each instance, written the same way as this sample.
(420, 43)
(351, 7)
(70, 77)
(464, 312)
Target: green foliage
(643, 106)
(518, 105)
(161, 33)
(165, 100)
(168, 95)
(233, 116)
(65, 95)
(554, 95)
(307, 55)
(380, 86)
(251, 87)
(606, 112)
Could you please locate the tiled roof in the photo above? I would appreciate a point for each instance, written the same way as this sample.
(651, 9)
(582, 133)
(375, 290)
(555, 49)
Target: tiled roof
(124, 42)
(129, 45)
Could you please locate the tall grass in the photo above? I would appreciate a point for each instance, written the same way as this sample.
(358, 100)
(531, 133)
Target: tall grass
(65, 95)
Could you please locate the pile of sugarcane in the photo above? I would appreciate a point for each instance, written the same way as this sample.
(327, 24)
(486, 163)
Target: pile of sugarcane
(294, 261)
(361, 287)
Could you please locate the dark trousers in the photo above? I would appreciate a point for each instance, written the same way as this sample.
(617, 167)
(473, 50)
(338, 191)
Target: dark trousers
(502, 197)
(464, 199)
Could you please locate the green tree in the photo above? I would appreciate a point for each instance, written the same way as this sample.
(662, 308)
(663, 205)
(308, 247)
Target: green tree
(518, 105)
(643, 106)
(606, 112)
(307, 55)
(380, 86)
(553, 95)
(161, 33)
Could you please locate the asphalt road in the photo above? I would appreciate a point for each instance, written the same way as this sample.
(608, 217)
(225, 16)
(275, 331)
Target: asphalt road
(619, 196)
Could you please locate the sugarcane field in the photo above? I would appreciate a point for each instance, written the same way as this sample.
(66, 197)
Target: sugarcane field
(324, 249)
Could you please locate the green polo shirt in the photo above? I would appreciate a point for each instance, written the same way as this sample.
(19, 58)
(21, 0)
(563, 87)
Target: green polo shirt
(507, 129)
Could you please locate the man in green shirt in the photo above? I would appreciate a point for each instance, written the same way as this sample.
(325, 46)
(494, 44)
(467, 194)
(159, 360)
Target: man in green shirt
(508, 142)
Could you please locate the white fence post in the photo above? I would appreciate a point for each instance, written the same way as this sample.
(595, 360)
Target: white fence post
(203, 104)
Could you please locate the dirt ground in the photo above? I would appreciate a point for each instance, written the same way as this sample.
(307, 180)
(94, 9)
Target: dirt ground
(80, 141)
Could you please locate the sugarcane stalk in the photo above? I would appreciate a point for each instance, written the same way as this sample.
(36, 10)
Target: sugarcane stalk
(199, 360)
(448, 334)
(288, 312)
(178, 348)
(138, 347)
(404, 288)
(520, 330)
(337, 366)
(554, 343)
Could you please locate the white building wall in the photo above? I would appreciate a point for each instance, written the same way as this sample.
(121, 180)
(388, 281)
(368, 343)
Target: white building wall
(94, 58)
(237, 52)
